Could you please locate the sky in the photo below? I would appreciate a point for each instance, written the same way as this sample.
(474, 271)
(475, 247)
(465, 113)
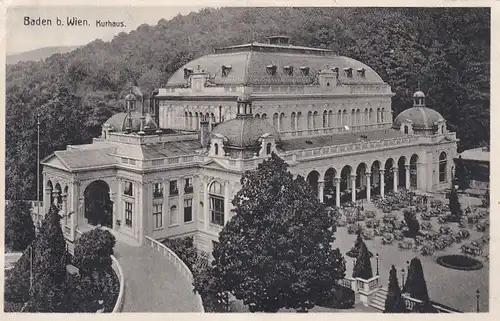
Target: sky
(20, 37)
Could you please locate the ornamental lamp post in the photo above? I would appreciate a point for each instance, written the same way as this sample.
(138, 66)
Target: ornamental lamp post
(402, 276)
(477, 300)
(376, 257)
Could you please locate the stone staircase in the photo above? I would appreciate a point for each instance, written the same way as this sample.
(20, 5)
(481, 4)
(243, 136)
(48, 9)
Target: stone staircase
(378, 301)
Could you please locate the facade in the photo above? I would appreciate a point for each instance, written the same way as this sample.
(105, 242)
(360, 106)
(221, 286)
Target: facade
(173, 172)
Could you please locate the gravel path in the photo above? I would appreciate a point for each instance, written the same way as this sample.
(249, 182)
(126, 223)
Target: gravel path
(152, 283)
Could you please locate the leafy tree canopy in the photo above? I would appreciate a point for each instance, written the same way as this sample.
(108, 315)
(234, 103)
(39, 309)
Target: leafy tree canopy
(19, 227)
(277, 251)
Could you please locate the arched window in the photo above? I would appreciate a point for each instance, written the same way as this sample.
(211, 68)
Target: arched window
(216, 203)
(366, 120)
(173, 215)
(325, 119)
(299, 120)
(257, 116)
(330, 119)
(315, 120)
(443, 167)
(281, 122)
(292, 121)
(382, 112)
(216, 149)
(186, 120)
(358, 117)
(344, 118)
(212, 116)
(275, 120)
(268, 149)
(406, 129)
(370, 116)
(339, 118)
(197, 120)
(264, 116)
(353, 117)
(378, 115)
(190, 120)
(309, 120)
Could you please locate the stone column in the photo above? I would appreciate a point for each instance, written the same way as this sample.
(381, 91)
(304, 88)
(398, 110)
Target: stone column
(395, 178)
(368, 187)
(75, 197)
(407, 178)
(206, 205)
(166, 206)
(227, 190)
(55, 198)
(47, 200)
(353, 188)
(337, 191)
(113, 209)
(382, 183)
(321, 188)
(65, 208)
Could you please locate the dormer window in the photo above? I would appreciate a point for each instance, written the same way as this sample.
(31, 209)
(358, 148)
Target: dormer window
(288, 70)
(226, 69)
(361, 72)
(271, 70)
(348, 72)
(188, 72)
(305, 70)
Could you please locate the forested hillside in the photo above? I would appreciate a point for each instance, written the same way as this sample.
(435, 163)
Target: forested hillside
(445, 52)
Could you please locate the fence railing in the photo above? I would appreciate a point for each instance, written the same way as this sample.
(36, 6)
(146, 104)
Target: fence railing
(181, 266)
(119, 273)
(412, 302)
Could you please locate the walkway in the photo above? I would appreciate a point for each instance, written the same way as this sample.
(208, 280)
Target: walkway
(152, 283)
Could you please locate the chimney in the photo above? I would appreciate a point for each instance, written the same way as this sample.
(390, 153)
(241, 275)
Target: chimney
(204, 133)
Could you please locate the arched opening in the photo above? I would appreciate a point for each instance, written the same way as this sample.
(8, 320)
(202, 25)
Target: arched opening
(309, 120)
(378, 115)
(190, 120)
(313, 179)
(197, 118)
(98, 206)
(276, 120)
(443, 167)
(57, 198)
(325, 119)
(330, 119)
(264, 116)
(65, 194)
(382, 112)
(299, 120)
(330, 192)
(216, 149)
(315, 120)
(49, 189)
(282, 122)
(370, 115)
(216, 198)
(212, 117)
(413, 171)
(257, 116)
(402, 172)
(366, 120)
(344, 117)
(358, 117)
(292, 121)
(186, 120)
(361, 181)
(268, 148)
(375, 178)
(345, 184)
(353, 117)
(339, 118)
(406, 129)
(388, 177)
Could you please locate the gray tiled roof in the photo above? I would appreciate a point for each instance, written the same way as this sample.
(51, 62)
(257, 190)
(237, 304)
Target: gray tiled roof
(421, 117)
(76, 159)
(245, 132)
(338, 139)
(249, 68)
(477, 154)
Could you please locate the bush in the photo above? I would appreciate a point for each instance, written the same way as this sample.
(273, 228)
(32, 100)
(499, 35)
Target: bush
(339, 298)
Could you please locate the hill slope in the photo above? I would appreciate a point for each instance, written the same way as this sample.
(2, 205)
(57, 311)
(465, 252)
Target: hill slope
(37, 54)
(443, 51)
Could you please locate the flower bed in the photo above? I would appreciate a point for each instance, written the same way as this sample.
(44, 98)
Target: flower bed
(459, 262)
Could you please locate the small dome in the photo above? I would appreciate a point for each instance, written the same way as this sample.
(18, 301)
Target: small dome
(119, 122)
(421, 117)
(418, 94)
(245, 132)
(130, 97)
(244, 98)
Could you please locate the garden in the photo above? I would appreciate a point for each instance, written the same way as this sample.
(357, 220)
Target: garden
(47, 278)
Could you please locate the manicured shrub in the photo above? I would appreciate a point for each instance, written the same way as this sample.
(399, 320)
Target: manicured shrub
(394, 302)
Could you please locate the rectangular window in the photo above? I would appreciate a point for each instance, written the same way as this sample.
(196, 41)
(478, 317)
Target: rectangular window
(128, 214)
(173, 188)
(217, 210)
(188, 186)
(127, 188)
(158, 190)
(188, 210)
(158, 215)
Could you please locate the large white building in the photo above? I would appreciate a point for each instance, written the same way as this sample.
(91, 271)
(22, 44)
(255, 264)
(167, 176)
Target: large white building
(174, 171)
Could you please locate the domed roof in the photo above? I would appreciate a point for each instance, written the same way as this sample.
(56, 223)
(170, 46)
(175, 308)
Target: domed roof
(421, 117)
(119, 122)
(418, 94)
(267, 64)
(244, 131)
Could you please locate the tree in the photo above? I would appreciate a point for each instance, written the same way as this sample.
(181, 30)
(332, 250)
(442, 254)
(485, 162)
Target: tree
(354, 252)
(486, 198)
(363, 267)
(49, 266)
(461, 174)
(19, 227)
(276, 251)
(415, 283)
(455, 208)
(412, 223)
(394, 302)
(93, 251)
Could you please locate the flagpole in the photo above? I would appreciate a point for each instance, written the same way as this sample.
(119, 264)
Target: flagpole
(38, 169)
